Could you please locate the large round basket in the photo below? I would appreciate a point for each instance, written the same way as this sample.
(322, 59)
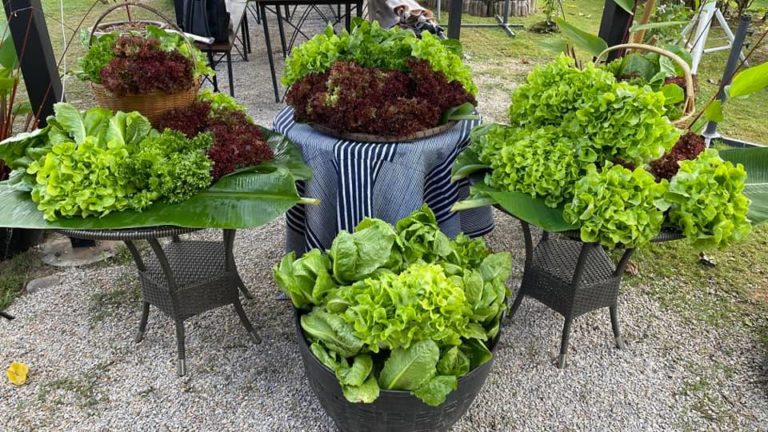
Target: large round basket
(151, 105)
(364, 137)
(393, 411)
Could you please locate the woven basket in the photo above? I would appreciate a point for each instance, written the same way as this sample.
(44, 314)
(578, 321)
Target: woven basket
(364, 137)
(690, 100)
(150, 105)
(393, 411)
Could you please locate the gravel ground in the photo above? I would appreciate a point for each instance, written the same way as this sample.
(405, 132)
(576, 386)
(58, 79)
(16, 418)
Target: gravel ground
(87, 374)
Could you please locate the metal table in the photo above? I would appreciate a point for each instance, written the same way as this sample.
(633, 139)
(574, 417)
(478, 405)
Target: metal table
(572, 278)
(182, 278)
(276, 4)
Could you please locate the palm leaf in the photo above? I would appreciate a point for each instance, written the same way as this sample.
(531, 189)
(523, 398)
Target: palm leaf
(755, 161)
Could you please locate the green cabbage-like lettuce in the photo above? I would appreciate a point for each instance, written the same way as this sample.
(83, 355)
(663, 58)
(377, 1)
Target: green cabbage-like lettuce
(708, 201)
(616, 206)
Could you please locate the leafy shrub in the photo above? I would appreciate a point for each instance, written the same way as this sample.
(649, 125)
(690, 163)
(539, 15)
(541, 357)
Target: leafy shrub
(616, 206)
(708, 202)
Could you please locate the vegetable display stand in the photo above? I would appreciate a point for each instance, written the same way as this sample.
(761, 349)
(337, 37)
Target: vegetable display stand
(393, 411)
(572, 278)
(182, 278)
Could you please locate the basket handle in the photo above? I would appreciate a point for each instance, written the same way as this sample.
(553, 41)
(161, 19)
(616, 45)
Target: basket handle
(126, 4)
(690, 103)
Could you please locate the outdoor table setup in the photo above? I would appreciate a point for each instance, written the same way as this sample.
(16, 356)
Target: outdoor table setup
(115, 175)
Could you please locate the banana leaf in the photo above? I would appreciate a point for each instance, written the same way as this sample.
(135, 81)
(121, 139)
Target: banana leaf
(245, 199)
(467, 163)
(518, 204)
(755, 161)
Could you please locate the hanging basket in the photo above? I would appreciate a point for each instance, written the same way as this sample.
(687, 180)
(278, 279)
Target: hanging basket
(690, 100)
(153, 104)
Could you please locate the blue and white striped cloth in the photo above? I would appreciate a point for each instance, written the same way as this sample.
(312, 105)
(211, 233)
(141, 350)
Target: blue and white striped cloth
(355, 180)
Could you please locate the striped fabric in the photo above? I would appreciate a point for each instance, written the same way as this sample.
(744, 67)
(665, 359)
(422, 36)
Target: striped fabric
(355, 180)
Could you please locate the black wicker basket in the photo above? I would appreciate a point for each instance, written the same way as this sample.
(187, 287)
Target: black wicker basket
(395, 411)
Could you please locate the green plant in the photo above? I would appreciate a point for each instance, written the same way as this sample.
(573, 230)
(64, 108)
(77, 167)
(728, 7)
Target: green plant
(371, 46)
(104, 49)
(399, 308)
(616, 206)
(708, 202)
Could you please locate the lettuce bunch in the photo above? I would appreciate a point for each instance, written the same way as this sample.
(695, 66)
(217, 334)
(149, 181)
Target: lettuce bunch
(371, 46)
(616, 206)
(94, 163)
(399, 308)
(708, 202)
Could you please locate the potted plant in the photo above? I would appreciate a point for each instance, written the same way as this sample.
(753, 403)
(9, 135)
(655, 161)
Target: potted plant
(151, 71)
(190, 177)
(373, 84)
(397, 325)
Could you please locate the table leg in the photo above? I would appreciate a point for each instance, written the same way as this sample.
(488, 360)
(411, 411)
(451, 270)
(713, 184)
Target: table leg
(263, 10)
(244, 35)
(347, 15)
(213, 66)
(247, 32)
(181, 364)
(281, 30)
(143, 322)
(229, 74)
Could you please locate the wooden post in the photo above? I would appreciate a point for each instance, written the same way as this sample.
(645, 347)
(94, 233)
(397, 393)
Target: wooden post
(454, 18)
(33, 47)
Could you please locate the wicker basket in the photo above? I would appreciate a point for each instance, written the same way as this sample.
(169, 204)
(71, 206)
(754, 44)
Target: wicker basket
(393, 411)
(151, 105)
(690, 101)
(364, 137)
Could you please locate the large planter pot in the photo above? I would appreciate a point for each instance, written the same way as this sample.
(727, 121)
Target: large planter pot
(395, 411)
(151, 105)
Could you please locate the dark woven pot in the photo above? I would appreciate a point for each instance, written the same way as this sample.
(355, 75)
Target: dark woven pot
(395, 411)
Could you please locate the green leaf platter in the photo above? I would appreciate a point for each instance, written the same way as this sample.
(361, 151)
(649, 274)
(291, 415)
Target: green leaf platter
(247, 198)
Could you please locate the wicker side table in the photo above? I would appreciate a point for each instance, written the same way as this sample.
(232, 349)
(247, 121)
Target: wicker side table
(182, 278)
(572, 278)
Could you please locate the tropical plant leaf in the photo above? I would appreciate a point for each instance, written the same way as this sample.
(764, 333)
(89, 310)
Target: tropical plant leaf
(528, 209)
(673, 94)
(465, 111)
(467, 162)
(627, 5)
(749, 81)
(287, 155)
(244, 200)
(8, 58)
(755, 161)
(581, 39)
